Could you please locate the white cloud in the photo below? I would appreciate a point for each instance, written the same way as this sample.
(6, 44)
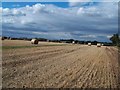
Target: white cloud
(50, 21)
(6, 10)
(38, 7)
(109, 36)
(0, 9)
(88, 36)
(16, 12)
(41, 33)
(80, 10)
(77, 2)
(82, 2)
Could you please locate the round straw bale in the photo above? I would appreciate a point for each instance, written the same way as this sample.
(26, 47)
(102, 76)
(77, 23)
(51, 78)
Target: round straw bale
(2, 38)
(98, 44)
(102, 44)
(73, 42)
(89, 44)
(34, 41)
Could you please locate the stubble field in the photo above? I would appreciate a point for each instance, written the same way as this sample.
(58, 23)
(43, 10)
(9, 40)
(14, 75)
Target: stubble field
(52, 65)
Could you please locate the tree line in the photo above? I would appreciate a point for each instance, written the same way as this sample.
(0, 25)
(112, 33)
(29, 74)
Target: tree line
(115, 38)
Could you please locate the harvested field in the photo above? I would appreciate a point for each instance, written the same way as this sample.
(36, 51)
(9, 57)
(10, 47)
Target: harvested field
(67, 66)
(25, 43)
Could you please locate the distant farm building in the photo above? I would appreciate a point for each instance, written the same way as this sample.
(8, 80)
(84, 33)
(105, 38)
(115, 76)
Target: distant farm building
(34, 41)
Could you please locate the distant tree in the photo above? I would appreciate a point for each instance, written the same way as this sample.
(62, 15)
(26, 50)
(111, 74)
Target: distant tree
(115, 39)
(94, 42)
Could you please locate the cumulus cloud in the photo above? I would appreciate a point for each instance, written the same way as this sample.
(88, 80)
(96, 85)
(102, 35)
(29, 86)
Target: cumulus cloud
(83, 2)
(77, 2)
(49, 21)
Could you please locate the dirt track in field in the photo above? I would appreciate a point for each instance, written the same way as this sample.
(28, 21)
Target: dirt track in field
(69, 66)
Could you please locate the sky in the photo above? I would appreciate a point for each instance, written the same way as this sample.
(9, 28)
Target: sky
(60, 20)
